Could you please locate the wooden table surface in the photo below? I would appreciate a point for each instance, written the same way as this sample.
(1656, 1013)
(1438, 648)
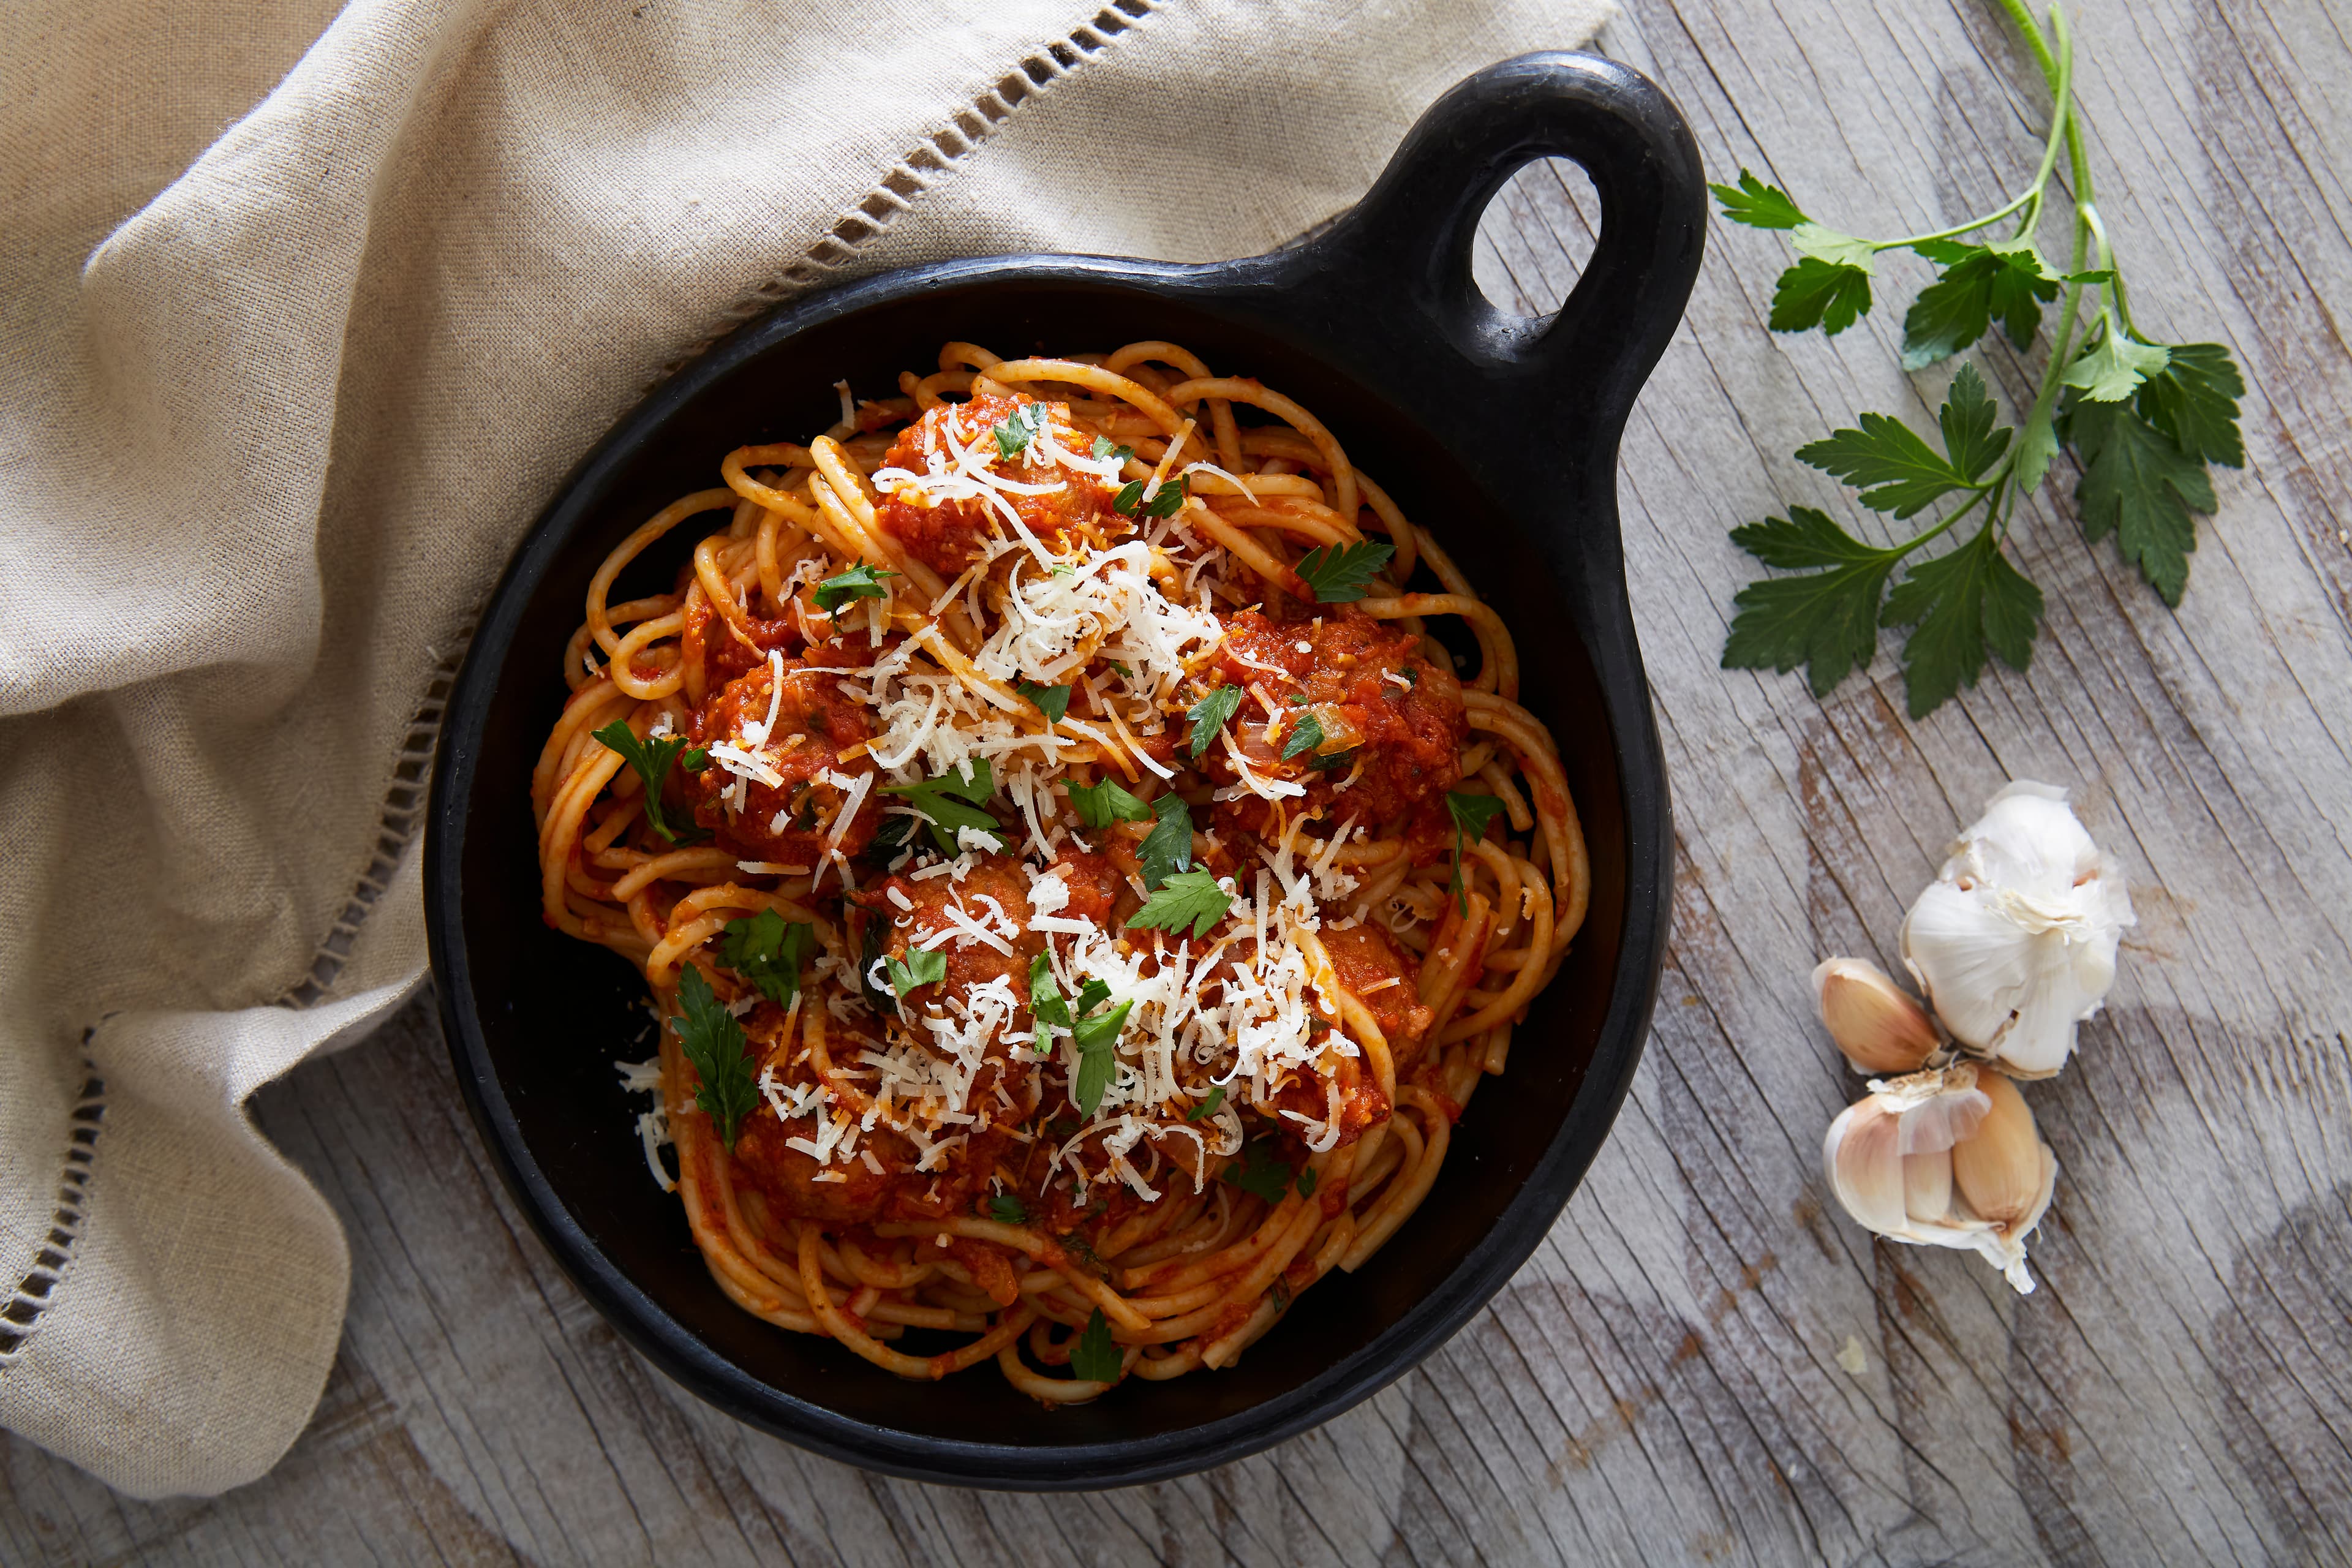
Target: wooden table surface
(1663, 1382)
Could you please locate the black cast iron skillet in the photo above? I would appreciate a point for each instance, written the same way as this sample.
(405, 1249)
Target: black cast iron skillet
(1496, 433)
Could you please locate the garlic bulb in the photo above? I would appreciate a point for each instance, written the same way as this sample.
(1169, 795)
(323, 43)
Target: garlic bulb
(2014, 943)
(1872, 1020)
(1944, 1158)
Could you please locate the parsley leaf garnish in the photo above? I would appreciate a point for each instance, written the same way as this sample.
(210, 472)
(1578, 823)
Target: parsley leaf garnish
(1339, 573)
(1100, 805)
(1105, 447)
(714, 1043)
(1260, 1172)
(1305, 736)
(1095, 1035)
(921, 967)
(1471, 814)
(860, 582)
(1044, 996)
(1006, 1209)
(953, 801)
(1209, 1103)
(1307, 1181)
(1167, 847)
(1164, 501)
(1211, 714)
(1187, 898)
(1052, 701)
(1023, 424)
(769, 953)
(2140, 487)
(1096, 1358)
(650, 760)
(1097, 1038)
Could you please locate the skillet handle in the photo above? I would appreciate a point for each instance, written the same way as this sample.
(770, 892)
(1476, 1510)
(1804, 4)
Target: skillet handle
(1402, 254)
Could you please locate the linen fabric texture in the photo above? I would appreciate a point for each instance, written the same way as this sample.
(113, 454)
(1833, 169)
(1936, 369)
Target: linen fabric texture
(302, 317)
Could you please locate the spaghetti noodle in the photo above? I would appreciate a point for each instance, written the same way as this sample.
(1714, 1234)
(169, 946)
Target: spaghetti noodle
(1080, 890)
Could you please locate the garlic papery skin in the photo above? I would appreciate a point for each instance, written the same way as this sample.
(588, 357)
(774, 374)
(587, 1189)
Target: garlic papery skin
(2014, 943)
(1912, 1159)
(1874, 1020)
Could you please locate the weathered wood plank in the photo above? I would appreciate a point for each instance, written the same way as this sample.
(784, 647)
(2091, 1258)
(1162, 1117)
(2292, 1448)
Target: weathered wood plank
(1662, 1382)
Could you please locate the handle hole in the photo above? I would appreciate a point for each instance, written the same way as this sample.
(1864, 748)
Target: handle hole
(1535, 237)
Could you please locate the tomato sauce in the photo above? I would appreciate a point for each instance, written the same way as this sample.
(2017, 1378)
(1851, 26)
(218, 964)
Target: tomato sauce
(949, 535)
(1392, 720)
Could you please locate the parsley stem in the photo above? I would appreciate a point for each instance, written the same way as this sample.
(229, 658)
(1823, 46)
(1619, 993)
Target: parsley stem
(2061, 129)
(1944, 527)
(2106, 257)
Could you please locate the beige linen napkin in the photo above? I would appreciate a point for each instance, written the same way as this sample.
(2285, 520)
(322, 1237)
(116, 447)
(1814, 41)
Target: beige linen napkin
(302, 315)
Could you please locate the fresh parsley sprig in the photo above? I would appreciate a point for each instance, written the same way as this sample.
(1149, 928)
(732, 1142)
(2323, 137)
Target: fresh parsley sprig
(650, 760)
(769, 953)
(954, 801)
(1339, 573)
(2144, 420)
(714, 1043)
(1006, 1209)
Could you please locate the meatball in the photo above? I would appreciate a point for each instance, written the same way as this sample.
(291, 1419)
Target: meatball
(995, 895)
(1393, 720)
(949, 534)
(791, 820)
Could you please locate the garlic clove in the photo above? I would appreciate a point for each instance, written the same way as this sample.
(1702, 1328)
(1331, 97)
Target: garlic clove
(1927, 1186)
(1878, 1026)
(1865, 1170)
(2006, 1175)
(2014, 943)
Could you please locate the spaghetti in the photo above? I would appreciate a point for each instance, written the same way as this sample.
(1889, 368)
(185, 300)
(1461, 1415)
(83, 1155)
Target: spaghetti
(1079, 891)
